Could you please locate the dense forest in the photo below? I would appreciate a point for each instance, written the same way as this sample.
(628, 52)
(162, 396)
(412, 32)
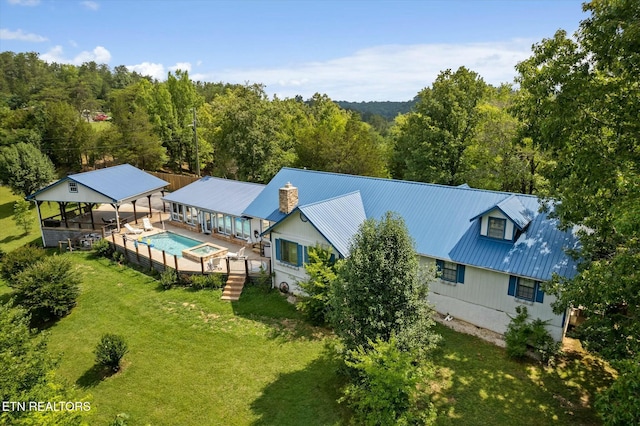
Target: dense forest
(568, 133)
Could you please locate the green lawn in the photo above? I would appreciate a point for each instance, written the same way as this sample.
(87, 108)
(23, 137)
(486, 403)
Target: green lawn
(195, 360)
(11, 236)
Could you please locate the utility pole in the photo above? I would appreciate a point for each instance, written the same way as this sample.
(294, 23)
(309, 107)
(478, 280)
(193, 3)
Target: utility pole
(195, 135)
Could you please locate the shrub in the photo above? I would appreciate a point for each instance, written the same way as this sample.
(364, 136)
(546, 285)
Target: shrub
(384, 391)
(110, 350)
(20, 259)
(102, 248)
(212, 281)
(523, 336)
(620, 405)
(321, 270)
(168, 279)
(48, 288)
(118, 257)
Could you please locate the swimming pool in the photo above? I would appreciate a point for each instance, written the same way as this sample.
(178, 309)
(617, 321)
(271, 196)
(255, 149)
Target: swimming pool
(169, 242)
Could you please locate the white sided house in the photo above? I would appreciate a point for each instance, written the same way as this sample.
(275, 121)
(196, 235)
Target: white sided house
(493, 249)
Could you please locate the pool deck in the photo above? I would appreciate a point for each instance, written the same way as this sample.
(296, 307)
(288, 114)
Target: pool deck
(161, 222)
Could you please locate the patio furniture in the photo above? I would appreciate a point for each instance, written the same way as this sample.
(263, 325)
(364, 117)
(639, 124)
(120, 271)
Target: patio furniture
(109, 221)
(131, 230)
(214, 264)
(236, 256)
(147, 224)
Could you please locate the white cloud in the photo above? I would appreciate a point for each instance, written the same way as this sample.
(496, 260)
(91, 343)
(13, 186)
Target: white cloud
(148, 68)
(184, 66)
(73, 43)
(6, 34)
(99, 55)
(25, 2)
(389, 72)
(91, 5)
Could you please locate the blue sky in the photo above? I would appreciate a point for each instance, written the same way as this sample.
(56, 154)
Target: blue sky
(353, 50)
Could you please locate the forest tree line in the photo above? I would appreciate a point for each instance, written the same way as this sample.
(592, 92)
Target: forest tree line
(242, 133)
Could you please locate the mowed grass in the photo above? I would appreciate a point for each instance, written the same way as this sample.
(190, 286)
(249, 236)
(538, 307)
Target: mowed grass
(12, 236)
(194, 359)
(477, 384)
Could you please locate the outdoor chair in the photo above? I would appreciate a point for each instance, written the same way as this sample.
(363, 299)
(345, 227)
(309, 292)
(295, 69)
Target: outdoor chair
(238, 255)
(147, 224)
(214, 264)
(132, 230)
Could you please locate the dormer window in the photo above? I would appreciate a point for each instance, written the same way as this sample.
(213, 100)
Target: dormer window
(496, 228)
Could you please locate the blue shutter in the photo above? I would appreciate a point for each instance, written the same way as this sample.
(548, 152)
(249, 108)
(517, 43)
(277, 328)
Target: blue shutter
(539, 292)
(332, 258)
(460, 277)
(439, 265)
(306, 254)
(299, 255)
(513, 281)
(277, 249)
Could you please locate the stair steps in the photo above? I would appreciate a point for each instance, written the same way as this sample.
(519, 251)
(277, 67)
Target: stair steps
(233, 288)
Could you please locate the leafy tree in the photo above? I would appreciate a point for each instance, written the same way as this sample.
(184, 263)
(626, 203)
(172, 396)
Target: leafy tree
(338, 141)
(22, 216)
(65, 135)
(380, 292)
(384, 390)
(110, 350)
(581, 102)
(322, 274)
(20, 259)
(24, 168)
(433, 138)
(48, 288)
(619, 405)
(27, 373)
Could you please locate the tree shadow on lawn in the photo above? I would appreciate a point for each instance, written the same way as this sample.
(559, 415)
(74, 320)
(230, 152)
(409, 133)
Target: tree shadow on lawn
(304, 397)
(272, 309)
(93, 376)
(478, 383)
(6, 210)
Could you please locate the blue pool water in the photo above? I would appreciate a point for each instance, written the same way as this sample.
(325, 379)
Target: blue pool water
(170, 242)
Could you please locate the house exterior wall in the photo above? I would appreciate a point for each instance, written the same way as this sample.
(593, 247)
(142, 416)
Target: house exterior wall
(61, 193)
(483, 300)
(295, 230)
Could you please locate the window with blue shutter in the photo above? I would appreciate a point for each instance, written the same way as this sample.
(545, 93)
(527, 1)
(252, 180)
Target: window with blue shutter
(525, 289)
(513, 282)
(298, 260)
(460, 276)
(277, 243)
(306, 254)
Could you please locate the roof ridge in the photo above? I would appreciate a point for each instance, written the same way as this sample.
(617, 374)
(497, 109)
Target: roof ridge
(326, 200)
(410, 182)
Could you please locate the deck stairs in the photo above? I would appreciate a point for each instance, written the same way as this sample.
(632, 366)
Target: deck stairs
(233, 289)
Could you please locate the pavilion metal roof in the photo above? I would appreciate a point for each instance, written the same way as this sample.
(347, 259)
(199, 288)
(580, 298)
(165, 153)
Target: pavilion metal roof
(119, 183)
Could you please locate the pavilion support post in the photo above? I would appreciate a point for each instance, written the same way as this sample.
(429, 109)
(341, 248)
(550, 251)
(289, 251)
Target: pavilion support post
(135, 216)
(44, 243)
(117, 218)
(93, 223)
(164, 205)
(149, 199)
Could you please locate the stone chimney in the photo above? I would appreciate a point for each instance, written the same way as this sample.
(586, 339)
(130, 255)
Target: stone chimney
(288, 198)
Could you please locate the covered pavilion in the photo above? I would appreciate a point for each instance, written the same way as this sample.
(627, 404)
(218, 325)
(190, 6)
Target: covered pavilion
(78, 195)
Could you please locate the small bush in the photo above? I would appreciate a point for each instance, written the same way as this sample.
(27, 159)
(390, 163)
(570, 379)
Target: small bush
(383, 390)
(523, 336)
(20, 259)
(212, 281)
(118, 257)
(102, 248)
(168, 279)
(48, 288)
(110, 350)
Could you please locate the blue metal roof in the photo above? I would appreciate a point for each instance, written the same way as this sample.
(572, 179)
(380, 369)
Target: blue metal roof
(218, 195)
(337, 219)
(120, 183)
(438, 218)
(514, 210)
